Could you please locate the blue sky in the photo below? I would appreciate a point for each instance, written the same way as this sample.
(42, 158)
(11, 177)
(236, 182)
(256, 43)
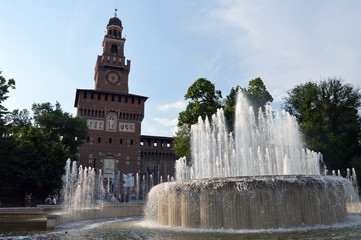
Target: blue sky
(50, 48)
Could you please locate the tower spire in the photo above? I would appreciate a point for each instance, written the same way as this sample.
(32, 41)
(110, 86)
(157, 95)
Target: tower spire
(116, 8)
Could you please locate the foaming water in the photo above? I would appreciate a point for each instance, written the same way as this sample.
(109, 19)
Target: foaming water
(258, 202)
(352, 222)
(135, 228)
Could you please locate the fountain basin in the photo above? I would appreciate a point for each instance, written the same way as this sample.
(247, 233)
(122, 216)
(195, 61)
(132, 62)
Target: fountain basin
(257, 202)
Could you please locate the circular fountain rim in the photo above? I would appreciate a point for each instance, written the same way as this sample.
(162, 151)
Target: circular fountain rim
(261, 176)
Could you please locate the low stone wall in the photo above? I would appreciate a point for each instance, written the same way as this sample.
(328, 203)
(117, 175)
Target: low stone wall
(22, 219)
(48, 217)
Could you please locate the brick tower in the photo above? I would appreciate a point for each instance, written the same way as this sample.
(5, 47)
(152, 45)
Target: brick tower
(112, 114)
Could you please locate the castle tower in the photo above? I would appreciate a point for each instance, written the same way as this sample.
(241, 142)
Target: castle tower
(111, 65)
(113, 115)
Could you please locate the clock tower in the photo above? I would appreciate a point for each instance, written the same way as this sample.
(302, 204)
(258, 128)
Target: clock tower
(111, 69)
(114, 144)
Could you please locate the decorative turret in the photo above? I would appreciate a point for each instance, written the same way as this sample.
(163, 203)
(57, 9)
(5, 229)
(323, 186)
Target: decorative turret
(111, 70)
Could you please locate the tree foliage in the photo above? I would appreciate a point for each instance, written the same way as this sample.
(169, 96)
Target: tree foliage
(204, 101)
(5, 86)
(35, 155)
(181, 142)
(229, 107)
(61, 125)
(33, 163)
(34, 149)
(256, 93)
(328, 115)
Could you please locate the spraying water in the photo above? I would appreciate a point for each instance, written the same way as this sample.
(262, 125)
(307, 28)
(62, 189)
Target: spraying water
(82, 187)
(270, 144)
(260, 177)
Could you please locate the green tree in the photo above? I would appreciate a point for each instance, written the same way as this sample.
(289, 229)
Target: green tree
(61, 125)
(18, 119)
(204, 100)
(256, 93)
(35, 157)
(229, 107)
(7, 143)
(328, 117)
(5, 86)
(32, 158)
(35, 165)
(181, 142)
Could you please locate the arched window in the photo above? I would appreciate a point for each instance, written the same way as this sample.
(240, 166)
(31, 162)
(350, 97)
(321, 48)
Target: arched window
(114, 49)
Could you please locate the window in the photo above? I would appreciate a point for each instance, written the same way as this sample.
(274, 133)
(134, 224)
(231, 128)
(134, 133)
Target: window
(112, 98)
(121, 141)
(87, 139)
(99, 96)
(110, 140)
(106, 97)
(114, 49)
(126, 99)
(92, 96)
(84, 94)
(139, 101)
(131, 141)
(132, 100)
(99, 139)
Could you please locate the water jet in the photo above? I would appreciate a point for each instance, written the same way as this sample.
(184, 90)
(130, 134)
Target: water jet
(259, 177)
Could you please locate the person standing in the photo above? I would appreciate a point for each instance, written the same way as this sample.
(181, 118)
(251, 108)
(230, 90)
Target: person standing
(29, 200)
(54, 200)
(48, 200)
(26, 199)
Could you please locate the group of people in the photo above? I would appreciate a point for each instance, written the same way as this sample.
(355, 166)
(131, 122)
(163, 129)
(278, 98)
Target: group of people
(122, 197)
(50, 200)
(27, 199)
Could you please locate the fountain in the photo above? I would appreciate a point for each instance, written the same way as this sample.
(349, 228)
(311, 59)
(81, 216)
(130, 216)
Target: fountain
(260, 178)
(82, 187)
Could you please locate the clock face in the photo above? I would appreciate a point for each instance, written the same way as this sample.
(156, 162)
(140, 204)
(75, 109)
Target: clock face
(113, 77)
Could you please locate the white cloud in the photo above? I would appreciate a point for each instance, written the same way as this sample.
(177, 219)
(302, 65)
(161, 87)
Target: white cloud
(283, 42)
(166, 122)
(176, 105)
